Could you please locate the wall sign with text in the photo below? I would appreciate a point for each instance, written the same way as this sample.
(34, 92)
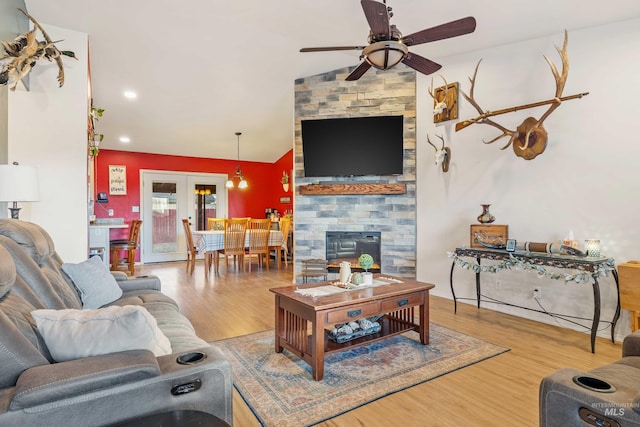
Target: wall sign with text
(117, 180)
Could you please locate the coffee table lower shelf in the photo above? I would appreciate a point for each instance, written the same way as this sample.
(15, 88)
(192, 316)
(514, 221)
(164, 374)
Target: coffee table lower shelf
(389, 325)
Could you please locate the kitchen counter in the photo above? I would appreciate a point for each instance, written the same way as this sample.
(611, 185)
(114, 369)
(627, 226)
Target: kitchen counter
(99, 237)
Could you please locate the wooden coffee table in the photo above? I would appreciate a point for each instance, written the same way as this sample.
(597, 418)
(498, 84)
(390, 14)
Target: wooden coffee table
(302, 321)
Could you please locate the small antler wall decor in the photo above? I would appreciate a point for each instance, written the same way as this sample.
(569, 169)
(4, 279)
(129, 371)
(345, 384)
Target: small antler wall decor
(445, 101)
(530, 138)
(23, 53)
(443, 154)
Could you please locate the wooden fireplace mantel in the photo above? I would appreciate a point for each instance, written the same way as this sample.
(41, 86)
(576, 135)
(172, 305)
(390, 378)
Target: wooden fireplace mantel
(352, 188)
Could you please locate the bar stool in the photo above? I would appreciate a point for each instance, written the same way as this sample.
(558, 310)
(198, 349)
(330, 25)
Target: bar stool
(130, 245)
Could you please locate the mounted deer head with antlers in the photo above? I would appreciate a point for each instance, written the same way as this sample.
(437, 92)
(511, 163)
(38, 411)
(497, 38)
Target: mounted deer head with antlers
(443, 154)
(445, 101)
(440, 102)
(530, 138)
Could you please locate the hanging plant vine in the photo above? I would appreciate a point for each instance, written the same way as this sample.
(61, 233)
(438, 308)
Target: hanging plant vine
(94, 139)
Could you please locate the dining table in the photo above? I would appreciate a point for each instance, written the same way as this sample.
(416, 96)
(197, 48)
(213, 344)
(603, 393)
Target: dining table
(210, 241)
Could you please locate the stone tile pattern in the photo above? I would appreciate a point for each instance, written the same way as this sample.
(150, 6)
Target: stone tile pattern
(377, 93)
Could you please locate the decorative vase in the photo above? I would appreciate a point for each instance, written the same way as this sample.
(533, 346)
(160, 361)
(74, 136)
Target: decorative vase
(345, 272)
(356, 278)
(485, 217)
(367, 278)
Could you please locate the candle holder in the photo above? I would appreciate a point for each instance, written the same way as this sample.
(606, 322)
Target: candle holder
(592, 247)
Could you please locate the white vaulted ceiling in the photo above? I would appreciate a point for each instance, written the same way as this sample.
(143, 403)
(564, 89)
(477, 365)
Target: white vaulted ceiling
(204, 69)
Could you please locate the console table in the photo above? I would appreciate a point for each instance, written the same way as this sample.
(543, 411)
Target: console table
(588, 269)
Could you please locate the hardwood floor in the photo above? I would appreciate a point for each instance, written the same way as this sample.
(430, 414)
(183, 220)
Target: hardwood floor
(499, 391)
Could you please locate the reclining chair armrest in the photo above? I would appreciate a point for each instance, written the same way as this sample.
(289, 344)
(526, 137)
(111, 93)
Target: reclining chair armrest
(138, 283)
(561, 400)
(631, 344)
(47, 383)
(200, 385)
(119, 275)
(214, 369)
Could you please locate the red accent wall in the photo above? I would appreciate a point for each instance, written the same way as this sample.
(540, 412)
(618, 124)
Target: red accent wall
(264, 189)
(284, 163)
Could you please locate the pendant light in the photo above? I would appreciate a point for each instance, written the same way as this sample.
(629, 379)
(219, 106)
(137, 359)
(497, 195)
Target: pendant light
(238, 175)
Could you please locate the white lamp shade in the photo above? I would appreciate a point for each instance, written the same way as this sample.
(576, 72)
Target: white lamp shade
(18, 183)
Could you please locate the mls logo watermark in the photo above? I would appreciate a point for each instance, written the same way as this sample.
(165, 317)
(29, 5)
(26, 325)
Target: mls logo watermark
(614, 412)
(613, 409)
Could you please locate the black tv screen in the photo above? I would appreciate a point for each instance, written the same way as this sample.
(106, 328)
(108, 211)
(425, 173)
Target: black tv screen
(353, 146)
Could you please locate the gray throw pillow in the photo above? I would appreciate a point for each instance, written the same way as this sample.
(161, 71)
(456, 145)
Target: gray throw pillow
(94, 282)
(74, 334)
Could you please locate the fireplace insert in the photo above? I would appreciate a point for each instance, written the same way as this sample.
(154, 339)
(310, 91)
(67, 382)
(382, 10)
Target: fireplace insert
(349, 245)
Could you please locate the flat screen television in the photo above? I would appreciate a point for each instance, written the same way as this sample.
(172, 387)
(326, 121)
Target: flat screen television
(354, 146)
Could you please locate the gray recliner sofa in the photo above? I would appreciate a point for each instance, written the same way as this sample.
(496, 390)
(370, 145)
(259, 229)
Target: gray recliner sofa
(103, 389)
(607, 396)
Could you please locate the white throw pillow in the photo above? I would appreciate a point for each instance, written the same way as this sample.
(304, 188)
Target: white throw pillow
(74, 334)
(94, 281)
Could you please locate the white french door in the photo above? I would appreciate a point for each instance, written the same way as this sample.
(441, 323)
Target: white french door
(167, 198)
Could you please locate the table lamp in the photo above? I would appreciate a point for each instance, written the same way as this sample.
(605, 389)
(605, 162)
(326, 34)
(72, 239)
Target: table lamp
(18, 184)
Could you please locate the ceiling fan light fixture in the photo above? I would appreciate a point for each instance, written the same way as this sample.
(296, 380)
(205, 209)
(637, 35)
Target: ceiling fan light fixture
(385, 54)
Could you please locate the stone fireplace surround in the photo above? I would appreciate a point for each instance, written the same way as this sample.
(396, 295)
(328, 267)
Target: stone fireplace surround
(328, 95)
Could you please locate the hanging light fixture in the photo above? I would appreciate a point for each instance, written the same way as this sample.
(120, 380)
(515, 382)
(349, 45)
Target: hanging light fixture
(238, 175)
(385, 54)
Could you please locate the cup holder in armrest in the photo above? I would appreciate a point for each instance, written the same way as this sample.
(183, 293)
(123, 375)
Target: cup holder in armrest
(594, 384)
(191, 358)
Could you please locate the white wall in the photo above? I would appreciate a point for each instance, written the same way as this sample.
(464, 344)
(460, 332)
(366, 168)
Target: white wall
(587, 180)
(48, 130)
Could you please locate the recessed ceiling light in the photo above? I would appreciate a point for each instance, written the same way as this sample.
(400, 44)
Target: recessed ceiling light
(130, 94)
(125, 139)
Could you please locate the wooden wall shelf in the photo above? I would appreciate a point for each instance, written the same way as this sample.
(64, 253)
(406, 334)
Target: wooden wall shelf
(327, 189)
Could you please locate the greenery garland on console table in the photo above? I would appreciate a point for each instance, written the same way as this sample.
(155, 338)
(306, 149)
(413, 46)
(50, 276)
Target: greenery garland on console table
(601, 269)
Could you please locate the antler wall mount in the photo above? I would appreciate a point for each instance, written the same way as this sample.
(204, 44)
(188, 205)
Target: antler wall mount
(22, 54)
(529, 139)
(443, 154)
(445, 101)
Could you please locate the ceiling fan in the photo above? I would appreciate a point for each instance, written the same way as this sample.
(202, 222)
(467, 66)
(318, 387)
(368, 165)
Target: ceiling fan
(387, 47)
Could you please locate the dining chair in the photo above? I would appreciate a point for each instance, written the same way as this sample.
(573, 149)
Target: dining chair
(215, 223)
(130, 245)
(192, 250)
(285, 226)
(259, 230)
(235, 231)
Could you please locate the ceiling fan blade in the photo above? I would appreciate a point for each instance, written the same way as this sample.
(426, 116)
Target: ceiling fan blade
(324, 49)
(378, 17)
(444, 31)
(359, 71)
(421, 64)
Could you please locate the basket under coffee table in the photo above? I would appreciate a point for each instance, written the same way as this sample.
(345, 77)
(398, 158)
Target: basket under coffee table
(302, 321)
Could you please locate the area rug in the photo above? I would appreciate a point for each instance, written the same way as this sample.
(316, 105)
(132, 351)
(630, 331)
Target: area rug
(279, 388)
